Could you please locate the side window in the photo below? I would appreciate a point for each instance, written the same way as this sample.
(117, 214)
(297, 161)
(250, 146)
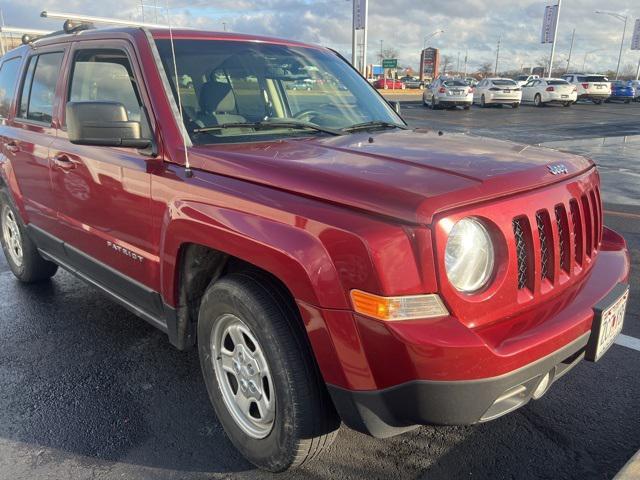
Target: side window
(8, 76)
(105, 75)
(39, 88)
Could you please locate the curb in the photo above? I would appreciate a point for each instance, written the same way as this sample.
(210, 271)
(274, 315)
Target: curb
(631, 471)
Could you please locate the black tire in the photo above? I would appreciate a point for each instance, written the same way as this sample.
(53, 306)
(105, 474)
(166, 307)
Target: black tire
(515, 105)
(537, 100)
(627, 101)
(597, 102)
(433, 103)
(566, 104)
(483, 103)
(467, 107)
(305, 421)
(33, 268)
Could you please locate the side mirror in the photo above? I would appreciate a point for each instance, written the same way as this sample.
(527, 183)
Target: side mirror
(395, 106)
(104, 124)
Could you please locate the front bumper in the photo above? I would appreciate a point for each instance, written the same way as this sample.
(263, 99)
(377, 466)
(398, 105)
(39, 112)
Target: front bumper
(394, 410)
(388, 377)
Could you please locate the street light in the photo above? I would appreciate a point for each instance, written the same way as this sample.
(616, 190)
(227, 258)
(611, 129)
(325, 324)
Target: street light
(431, 35)
(622, 18)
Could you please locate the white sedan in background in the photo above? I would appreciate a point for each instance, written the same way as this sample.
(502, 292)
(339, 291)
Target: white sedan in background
(448, 93)
(543, 91)
(497, 91)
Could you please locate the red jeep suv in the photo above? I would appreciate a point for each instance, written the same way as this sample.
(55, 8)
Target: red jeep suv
(329, 263)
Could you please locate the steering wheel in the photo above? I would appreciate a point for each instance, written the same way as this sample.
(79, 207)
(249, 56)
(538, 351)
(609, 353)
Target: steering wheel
(306, 114)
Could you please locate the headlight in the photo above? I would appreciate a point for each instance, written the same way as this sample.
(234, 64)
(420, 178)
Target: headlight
(469, 256)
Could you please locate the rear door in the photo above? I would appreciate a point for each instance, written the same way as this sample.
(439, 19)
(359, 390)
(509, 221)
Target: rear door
(103, 193)
(31, 131)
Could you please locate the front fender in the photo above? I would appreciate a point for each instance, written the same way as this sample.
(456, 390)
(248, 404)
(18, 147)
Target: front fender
(288, 252)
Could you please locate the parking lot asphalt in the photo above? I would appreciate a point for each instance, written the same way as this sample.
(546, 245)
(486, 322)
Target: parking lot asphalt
(87, 390)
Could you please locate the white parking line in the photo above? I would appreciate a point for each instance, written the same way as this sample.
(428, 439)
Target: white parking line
(629, 342)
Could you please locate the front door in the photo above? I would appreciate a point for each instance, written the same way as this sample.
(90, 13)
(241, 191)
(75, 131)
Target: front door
(103, 193)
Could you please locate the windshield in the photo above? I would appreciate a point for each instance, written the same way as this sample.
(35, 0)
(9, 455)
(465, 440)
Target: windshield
(522, 78)
(244, 83)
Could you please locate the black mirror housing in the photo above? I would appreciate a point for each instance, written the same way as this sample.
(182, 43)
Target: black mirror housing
(103, 124)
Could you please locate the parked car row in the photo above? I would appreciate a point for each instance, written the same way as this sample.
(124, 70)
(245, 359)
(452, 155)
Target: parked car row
(454, 92)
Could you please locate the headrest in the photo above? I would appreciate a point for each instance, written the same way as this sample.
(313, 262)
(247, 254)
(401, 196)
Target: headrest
(217, 97)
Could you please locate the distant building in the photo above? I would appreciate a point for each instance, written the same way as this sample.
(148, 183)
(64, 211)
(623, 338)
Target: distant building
(429, 63)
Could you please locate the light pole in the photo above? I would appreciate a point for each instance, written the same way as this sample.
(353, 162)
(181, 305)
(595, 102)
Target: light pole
(622, 18)
(431, 35)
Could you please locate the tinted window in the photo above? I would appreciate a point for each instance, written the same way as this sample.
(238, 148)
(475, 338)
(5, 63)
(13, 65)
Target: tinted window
(454, 83)
(105, 75)
(596, 78)
(39, 88)
(8, 75)
(556, 82)
(505, 83)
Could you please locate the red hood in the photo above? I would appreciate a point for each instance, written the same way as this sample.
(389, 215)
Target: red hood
(408, 175)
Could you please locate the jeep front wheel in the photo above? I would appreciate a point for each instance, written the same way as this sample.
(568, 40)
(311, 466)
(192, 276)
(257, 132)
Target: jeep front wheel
(260, 374)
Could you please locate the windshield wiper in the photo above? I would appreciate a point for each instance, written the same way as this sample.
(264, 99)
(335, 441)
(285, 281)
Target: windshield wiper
(268, 124)
(372, 124)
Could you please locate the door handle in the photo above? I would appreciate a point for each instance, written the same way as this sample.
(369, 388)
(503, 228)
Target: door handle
(63, 162)
(12, 147)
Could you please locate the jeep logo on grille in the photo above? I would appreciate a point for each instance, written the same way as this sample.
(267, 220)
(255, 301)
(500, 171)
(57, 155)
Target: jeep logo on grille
(558, 169)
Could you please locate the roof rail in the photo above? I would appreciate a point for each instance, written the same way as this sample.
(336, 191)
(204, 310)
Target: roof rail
(87, 20)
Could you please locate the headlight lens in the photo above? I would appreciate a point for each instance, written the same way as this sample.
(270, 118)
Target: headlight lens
(469, 256)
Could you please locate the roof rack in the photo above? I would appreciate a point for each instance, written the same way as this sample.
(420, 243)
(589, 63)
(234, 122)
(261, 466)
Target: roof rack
(28, 35)
(83, 22)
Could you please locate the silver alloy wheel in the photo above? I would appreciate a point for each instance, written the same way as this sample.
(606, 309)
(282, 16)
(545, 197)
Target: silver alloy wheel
(243, 376)
(12, 236)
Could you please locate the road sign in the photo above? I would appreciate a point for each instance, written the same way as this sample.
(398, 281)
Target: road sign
(635, 40)
(549, 24)
(390, 63)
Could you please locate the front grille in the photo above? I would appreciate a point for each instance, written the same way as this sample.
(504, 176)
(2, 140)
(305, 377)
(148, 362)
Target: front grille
(578, 230)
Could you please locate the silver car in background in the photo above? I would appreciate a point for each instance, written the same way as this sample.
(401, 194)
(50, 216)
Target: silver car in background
(448, 93)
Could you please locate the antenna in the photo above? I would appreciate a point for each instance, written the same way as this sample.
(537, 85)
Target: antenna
(187, 167)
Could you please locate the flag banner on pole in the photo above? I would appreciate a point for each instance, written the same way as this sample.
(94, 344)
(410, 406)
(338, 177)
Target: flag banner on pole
(359, 11)
(549, 24)
(635, 39)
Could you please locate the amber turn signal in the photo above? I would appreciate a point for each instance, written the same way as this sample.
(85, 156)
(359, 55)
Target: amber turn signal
(408, 307)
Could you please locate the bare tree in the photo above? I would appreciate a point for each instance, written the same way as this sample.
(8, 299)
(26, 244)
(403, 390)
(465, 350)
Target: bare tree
(486, 69)
(387, 53)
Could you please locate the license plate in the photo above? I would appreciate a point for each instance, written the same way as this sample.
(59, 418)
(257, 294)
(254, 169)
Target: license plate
(456, 92)
(599, 86)
(507, 91)
(607, 322)
(565, 96)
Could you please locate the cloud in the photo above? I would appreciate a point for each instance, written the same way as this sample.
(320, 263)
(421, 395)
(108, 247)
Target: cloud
(473, 25)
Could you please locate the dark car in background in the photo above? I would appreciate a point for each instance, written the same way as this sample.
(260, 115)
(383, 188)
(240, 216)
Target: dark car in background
(412, 82)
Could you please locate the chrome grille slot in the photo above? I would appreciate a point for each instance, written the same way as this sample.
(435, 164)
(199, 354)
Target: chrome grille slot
(564, 249)
(522, 235)
(545, 236)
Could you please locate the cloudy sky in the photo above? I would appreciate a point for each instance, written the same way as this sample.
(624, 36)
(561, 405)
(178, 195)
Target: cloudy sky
(475, 25)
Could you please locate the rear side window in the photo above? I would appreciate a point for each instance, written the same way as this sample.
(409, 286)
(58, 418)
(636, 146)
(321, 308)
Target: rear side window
(8, 76)
(39, 88)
